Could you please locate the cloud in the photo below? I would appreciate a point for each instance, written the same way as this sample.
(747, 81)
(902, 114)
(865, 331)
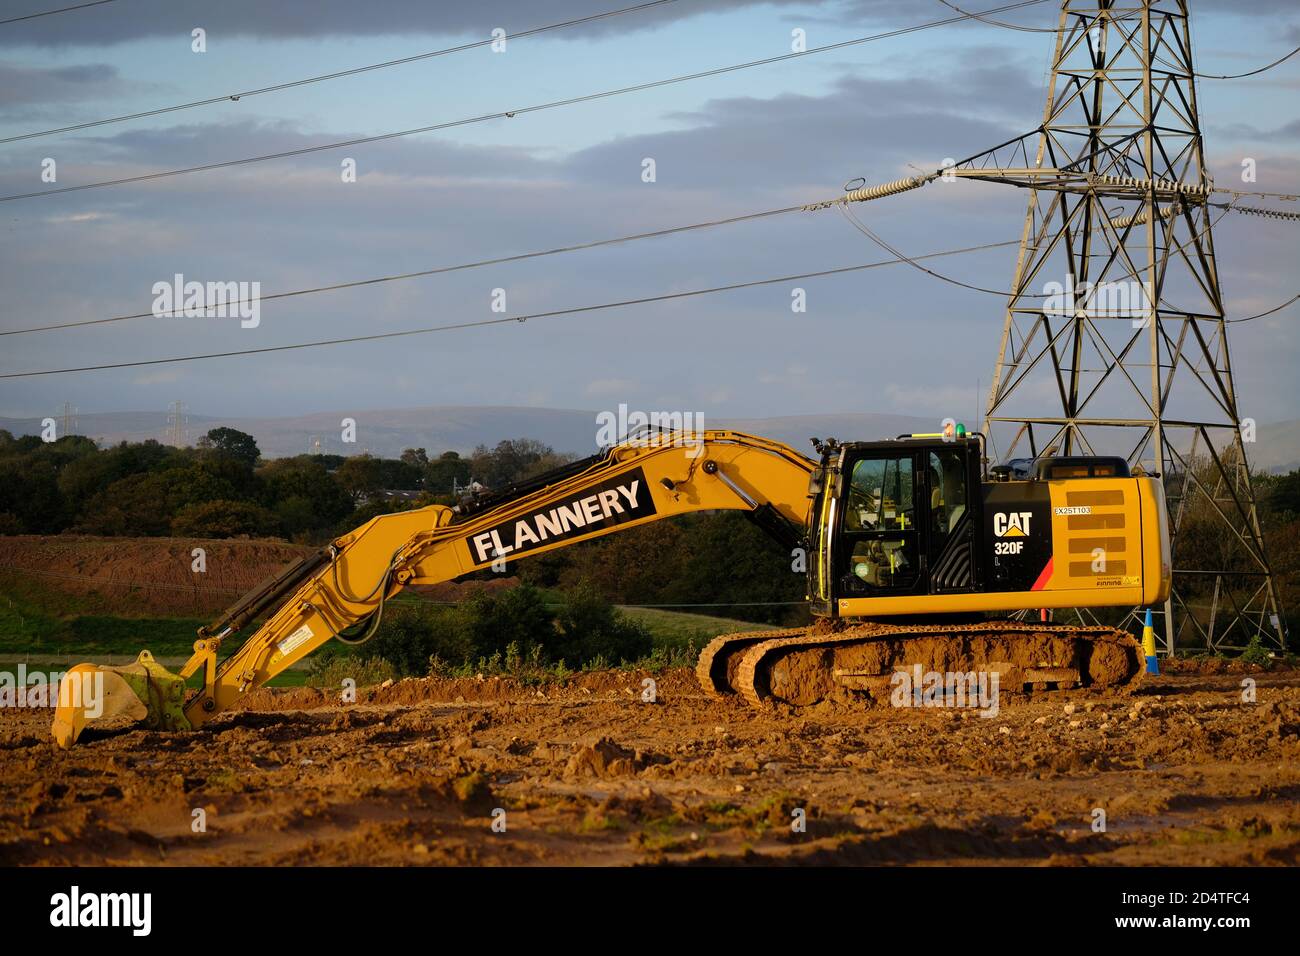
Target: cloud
(162, 377)
(763, 139)
(603, 387)
(866, 126)
(26, 92)
(934, 399)
(200, 143)
(79, 217)
(106, 26)
(1287, 132)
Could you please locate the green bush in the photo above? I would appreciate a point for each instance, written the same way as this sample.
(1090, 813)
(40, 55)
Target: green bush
(590, 627)
(411, 633)
(1256, 653)
(507, 632)
(330, 670)
(222, 519)
(490, 623)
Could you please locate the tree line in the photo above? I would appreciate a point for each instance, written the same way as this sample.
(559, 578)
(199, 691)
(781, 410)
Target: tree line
(710, 563)
(222, 487)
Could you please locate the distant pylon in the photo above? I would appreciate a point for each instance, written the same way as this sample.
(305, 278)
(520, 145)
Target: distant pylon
(1114, 339)
(176, 425)
(67, 420)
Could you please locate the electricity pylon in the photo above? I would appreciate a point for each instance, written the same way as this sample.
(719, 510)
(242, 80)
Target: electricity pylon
(1114, 340)
(68, 419)
(176, 425)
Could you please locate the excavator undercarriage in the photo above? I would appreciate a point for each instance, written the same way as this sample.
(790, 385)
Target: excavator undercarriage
(870, 662)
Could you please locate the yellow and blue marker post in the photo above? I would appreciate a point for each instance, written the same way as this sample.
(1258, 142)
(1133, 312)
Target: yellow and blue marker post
(1149, 645)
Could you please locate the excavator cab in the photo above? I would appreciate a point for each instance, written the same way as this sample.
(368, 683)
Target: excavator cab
(897, 519)
(913, 526)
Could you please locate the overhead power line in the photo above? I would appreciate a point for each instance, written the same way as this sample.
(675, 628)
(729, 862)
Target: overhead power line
(510, 114)
(997, 23)
(291, 84)
(46, 13)
(500, 260)
(1202, 76)
(1279, 308)
(1180, 247)
(1283, 214)
(1237, 76)
(1239, 193)
(867, 231)
(840, 203)
(503, 320)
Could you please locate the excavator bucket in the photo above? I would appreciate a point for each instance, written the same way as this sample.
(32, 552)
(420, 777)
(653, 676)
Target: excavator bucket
(142, 691)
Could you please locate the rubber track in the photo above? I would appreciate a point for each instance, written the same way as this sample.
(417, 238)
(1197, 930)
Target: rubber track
(759, 654)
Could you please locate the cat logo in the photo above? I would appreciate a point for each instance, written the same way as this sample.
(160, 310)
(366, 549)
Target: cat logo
(1014, 524)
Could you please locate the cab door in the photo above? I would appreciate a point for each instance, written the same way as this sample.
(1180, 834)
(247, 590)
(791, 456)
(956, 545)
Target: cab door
(879, 546)
(951, 486)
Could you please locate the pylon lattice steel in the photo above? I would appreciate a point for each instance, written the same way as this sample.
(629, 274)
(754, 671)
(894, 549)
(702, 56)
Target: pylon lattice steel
(176, 425)
(1116, 316)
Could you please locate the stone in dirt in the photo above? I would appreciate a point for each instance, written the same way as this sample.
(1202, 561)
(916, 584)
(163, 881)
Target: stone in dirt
(475, 794)
(604, 758)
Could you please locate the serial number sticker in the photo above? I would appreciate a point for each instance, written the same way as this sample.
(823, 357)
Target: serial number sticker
(295, 639)
(1074, 510)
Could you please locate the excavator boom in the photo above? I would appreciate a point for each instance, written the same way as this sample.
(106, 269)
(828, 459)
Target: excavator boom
(348, 583)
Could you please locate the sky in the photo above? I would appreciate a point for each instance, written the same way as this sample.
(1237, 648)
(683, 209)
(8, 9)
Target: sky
(884, 340)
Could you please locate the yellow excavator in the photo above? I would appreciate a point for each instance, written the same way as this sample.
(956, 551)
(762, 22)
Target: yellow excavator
(914, 555)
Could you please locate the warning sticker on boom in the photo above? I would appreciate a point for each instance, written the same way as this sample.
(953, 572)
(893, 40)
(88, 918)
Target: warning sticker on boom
(294, 640)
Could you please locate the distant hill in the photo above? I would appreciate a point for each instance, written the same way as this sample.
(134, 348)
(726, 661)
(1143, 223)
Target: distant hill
(1277, 448)
(386, 432)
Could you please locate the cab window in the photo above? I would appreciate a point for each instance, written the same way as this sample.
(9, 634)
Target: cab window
(947, 490)
(880, 495)
(880, 535)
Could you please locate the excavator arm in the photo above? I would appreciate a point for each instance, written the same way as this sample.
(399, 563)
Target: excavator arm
(346, 585)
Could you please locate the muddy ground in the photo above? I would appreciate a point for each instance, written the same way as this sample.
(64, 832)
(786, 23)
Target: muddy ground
(588, 773)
